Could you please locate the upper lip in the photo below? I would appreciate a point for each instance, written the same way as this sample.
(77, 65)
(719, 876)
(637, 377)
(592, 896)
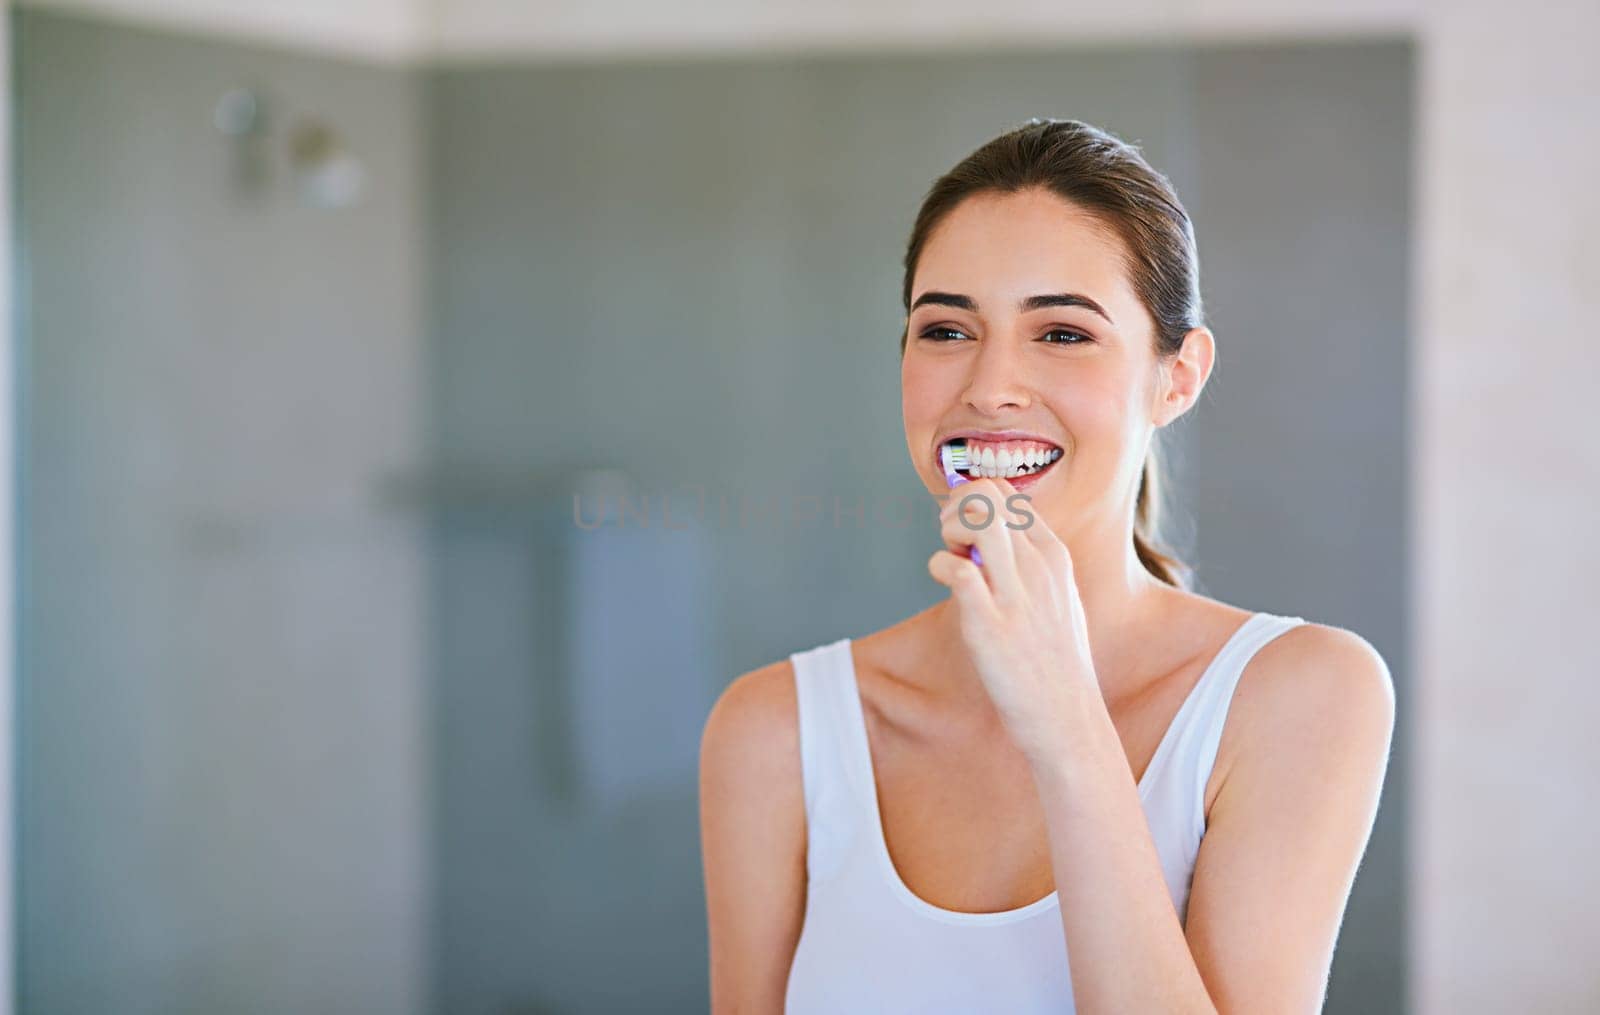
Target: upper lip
(995, 435)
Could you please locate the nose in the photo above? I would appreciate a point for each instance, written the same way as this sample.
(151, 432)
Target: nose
(998, 380)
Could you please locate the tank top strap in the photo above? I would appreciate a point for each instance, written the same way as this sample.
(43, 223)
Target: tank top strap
(1215, 694)
(827, 702)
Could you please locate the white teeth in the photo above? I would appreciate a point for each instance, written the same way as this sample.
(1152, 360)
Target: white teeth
(1007, 463)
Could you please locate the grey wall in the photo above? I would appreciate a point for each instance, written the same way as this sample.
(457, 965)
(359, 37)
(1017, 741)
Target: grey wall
(221, 748)
(1299, 471)
(294, 743)
(688, 272)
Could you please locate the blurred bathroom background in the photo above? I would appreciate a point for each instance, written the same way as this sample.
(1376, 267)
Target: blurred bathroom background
(326, 317)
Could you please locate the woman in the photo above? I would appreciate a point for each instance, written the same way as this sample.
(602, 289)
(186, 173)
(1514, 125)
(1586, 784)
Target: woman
(1073, 784)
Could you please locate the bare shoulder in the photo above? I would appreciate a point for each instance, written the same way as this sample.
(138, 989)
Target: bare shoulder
(1313, 692)
(753, 838)
(754, 727)
(1322, 669)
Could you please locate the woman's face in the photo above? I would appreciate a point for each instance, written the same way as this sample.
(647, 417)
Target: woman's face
(1005, 344)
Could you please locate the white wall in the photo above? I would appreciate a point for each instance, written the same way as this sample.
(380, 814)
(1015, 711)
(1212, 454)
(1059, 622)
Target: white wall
(479, 29)
(381, 29)
(1506, 892)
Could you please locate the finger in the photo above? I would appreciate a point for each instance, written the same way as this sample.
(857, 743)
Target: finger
(964, 579)
(975, 518)
(1003, 531)
(1047, 542)
(961, 539)
(1042, 557)
(1044, 539)
(976, 502)
(1032, 569)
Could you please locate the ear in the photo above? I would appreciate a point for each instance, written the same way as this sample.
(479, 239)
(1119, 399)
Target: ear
(1183, 376)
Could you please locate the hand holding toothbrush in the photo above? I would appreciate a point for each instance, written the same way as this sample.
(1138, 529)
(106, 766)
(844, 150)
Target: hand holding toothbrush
(1020, 614)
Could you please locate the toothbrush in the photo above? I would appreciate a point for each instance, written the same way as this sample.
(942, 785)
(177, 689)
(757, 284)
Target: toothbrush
(955, 461)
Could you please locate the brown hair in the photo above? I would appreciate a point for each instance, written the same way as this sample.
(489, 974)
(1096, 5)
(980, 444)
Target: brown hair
(1111, 180)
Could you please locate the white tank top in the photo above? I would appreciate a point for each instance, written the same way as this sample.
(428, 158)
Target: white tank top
(870, 944)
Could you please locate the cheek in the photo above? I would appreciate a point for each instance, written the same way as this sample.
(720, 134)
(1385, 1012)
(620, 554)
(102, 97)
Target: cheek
(925, 390)
(1105, 417)
(1096, 413)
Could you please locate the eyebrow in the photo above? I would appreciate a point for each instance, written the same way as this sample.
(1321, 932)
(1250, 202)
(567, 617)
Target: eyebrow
(1039, 302)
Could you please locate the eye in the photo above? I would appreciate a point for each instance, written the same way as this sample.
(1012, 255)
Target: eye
(1072, 337)
(939, 331)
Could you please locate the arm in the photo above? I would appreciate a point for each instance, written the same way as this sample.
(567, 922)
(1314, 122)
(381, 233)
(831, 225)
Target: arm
(1291, 821)
(1309, 734)
(752, 831)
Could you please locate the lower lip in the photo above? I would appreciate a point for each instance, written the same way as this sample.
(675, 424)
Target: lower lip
(1021, 483)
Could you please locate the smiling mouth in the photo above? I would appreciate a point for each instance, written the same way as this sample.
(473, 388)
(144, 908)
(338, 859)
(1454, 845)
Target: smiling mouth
(1006, 459)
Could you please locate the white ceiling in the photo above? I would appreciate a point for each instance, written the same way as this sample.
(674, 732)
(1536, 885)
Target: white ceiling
(467, 30)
